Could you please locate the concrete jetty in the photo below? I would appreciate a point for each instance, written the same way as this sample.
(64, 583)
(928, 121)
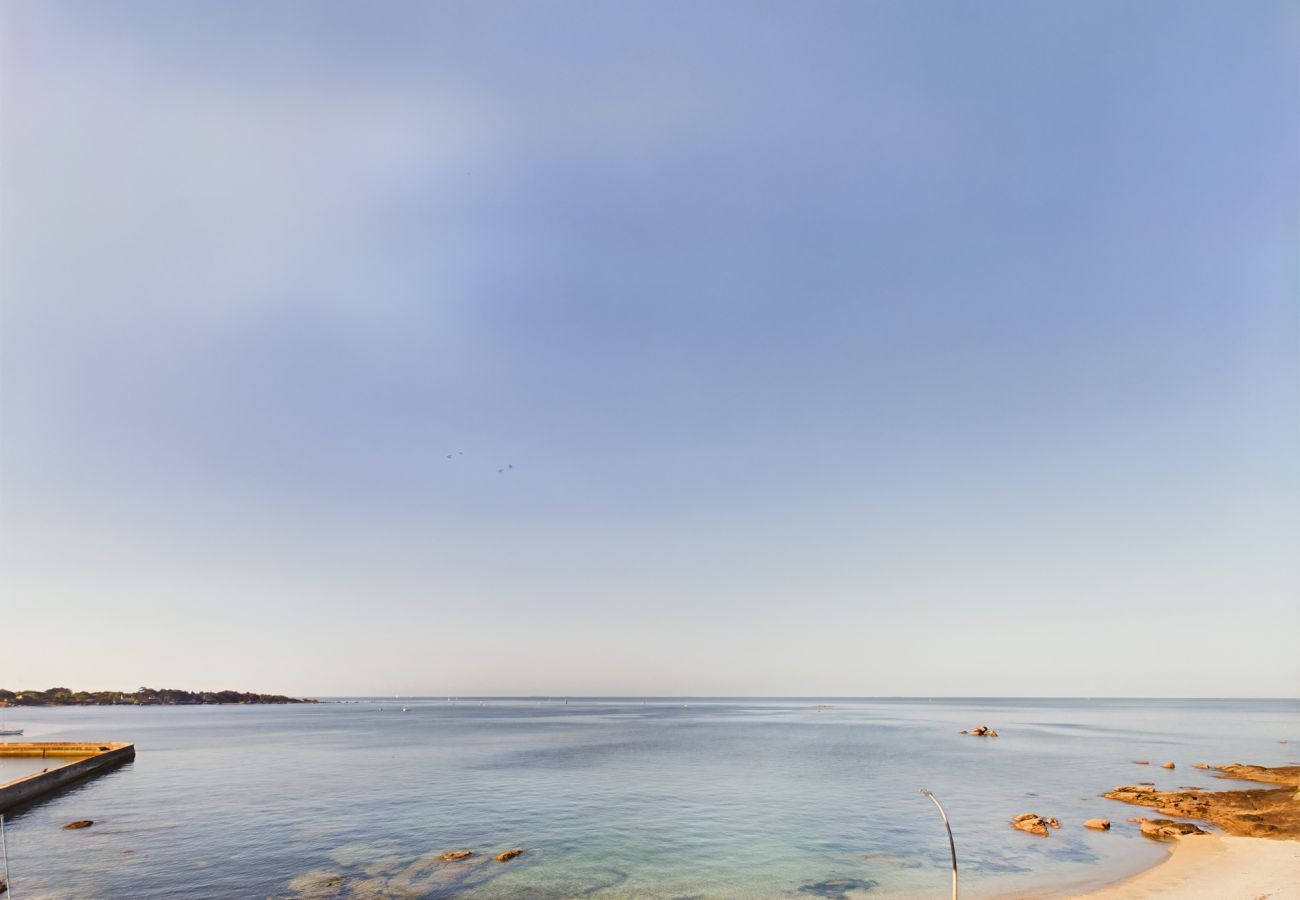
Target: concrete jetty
(88, 758)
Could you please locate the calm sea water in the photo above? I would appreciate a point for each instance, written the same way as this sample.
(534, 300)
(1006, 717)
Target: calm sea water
(617, 798)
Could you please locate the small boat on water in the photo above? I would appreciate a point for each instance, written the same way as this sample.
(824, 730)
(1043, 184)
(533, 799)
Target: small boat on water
(6, 731)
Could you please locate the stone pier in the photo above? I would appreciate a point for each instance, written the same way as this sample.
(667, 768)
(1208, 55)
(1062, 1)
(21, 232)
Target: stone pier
(88, 758)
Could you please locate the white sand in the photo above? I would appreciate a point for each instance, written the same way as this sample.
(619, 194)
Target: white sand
(1217, 867)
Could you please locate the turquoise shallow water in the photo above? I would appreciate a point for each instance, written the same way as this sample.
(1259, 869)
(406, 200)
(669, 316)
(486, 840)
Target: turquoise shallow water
(617, 798)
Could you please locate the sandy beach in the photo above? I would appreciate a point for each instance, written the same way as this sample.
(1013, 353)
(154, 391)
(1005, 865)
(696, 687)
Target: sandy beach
(1217, 867)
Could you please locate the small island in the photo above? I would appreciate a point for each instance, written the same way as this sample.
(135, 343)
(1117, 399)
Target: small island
(145, 696)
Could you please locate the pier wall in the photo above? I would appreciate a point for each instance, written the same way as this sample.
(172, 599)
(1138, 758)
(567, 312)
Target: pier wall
(90, 756)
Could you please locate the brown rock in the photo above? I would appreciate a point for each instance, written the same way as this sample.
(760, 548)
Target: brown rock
(509, 854)
(1034, 823)
(457, 854)
(1099, 824)
(1167, 765)
(1167, 828)
(1274, 775)
(1132, 793)
(1200, 765)
(1142, 762)
(990, 733)
(981, 731)
(80, 823)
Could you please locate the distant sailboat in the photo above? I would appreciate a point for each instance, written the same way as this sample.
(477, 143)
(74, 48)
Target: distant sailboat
(15, 732)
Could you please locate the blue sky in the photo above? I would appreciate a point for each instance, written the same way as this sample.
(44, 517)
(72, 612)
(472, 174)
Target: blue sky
(839, 348)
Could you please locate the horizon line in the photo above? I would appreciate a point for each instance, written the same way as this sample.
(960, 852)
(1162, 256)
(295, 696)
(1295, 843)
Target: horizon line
(445, 697)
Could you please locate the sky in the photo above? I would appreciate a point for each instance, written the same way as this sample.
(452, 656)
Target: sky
(837, 348)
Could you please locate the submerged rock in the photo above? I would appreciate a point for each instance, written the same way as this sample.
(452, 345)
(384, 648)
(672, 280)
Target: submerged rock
(457, 854)
(80, 823)
(1142, 762)
(1034, 823)
(426, 876)
(1168, 765)
(1200, 765)
(1099, 824)
(837, 887)
(318, 883)
(509, 854)
(981, 731)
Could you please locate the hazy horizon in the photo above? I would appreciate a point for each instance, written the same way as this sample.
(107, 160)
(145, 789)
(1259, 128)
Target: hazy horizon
(562, 697)
(888, 349)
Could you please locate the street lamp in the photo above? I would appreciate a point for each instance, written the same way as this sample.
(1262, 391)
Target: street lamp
(951, 844)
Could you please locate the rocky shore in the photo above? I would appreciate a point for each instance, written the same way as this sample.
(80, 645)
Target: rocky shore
(1205, 866)
(1260, 812)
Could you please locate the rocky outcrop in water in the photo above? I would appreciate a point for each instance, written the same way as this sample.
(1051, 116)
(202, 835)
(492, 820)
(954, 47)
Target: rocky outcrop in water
(80, 823)
(1034, 823)
(1098, 824)
(509, 854)
(456, 854)
(981, 731)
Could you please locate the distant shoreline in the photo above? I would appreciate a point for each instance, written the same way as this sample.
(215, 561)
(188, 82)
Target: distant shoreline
(143, 697)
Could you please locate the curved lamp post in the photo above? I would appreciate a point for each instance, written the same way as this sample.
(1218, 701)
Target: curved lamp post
(951, 844)
(4, 848)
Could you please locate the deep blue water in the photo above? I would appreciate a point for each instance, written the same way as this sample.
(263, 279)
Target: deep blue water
(617, 798)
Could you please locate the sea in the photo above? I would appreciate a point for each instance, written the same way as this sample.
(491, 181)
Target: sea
(618, 797)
